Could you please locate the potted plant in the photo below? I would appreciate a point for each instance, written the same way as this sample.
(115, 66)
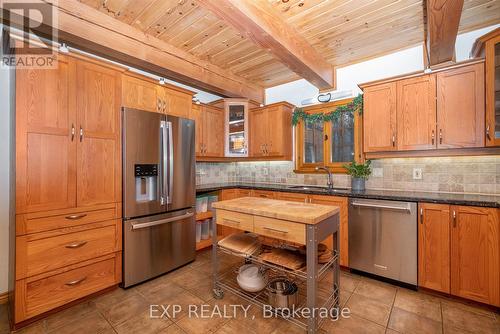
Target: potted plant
(359, 173)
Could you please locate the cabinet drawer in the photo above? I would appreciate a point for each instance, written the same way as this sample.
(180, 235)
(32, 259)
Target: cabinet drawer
(40, 253)
(264, 194)
(38, 295)
(237, 220)
(46, 221)
(280, 229)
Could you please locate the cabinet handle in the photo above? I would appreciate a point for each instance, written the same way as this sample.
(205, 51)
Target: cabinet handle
(72, 132)
(421, 215)
(274, 230)
(326, 137)
(75, 217)
(440, 136)
(454, 218)
(75, 282)
(432, 136)
(158, 107)
(76, 244)
(488, 132)
(231, 221)
(393, 140)
(81, 134)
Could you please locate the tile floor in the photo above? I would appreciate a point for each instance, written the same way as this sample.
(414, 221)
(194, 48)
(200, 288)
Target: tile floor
(375, 308)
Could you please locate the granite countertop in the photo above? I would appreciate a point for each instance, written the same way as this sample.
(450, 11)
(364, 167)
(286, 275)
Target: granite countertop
(492, 201)
(304, 213)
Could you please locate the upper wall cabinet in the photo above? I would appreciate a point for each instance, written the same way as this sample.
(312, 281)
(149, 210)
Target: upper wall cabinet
(271, 131)
(209, 122)
(379, 123)
(460, 103)
(443, 110)
(488, 46)
(143, 93)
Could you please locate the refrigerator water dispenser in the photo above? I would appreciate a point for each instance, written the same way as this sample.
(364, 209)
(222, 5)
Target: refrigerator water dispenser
(145, 182)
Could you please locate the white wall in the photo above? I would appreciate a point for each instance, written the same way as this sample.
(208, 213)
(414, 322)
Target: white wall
(401, 62)
(5, 178)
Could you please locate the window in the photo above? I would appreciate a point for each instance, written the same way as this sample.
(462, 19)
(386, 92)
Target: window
(330, 144)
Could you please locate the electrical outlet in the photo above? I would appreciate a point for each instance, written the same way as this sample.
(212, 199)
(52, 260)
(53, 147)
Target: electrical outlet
(265, 171)
(378, 172)
(417, 173)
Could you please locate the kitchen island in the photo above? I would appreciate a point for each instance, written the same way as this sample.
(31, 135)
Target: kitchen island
(292, 223)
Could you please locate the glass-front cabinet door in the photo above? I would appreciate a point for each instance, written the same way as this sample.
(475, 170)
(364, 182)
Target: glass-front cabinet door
(236, 129)
(492, 55)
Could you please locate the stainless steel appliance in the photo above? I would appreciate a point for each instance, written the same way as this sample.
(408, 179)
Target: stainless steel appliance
(383, 238)
(158, 194)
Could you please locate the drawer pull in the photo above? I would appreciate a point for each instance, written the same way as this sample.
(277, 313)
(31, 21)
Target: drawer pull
(274, 230)
(74, 217)
(231, 221)
(76, 244)
(75, 282)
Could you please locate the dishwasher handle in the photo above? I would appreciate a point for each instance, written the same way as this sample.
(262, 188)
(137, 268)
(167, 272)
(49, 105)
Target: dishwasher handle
(381, 206)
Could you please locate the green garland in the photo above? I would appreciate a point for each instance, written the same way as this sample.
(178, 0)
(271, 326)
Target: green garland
(356, 105)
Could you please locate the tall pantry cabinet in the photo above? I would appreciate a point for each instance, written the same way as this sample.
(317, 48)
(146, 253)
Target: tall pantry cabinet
(68, 184)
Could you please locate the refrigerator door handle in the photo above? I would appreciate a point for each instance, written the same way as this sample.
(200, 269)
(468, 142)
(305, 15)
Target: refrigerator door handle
(170, 163)
(161, 221)
(164, 161)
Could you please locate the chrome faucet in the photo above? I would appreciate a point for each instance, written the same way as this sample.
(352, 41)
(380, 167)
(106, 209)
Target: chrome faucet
(330, 178)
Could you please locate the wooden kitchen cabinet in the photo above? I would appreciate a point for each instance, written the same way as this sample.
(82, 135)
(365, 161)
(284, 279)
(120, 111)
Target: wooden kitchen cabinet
(460, 107)
(379, 118)
(475, 254)
(459, 251)
(294, 197)
(416, 113)
(271, 131)
(99, 149)
(209, 131)
(264, 194)
(176, 102)
(434, 247)
(45, 146)
(68, 184)
(138, 93)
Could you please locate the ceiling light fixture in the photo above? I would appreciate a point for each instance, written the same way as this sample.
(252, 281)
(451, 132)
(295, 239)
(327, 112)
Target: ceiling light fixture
(162, 81)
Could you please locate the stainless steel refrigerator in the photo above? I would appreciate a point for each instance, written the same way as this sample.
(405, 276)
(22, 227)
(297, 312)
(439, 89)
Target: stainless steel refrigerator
(158, 194)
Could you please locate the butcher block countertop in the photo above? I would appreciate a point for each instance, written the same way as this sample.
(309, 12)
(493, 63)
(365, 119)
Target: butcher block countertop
(303, 213)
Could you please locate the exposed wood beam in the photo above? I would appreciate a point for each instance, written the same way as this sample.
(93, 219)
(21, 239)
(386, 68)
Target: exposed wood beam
(91, 30)
(260, 22)
(443, 19)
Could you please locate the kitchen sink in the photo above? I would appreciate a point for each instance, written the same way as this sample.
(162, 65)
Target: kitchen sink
(318, 188)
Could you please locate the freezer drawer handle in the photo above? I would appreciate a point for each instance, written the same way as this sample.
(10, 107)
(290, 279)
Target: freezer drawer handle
(161, 222)
(77, 244)
(376, 206)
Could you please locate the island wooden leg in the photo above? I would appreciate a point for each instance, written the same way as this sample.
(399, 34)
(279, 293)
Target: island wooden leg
(312, 275)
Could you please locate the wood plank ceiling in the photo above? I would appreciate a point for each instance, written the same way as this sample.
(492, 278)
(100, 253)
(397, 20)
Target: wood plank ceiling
(344, 31)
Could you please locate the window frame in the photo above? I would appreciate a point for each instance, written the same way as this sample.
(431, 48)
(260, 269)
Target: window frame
(334, 167)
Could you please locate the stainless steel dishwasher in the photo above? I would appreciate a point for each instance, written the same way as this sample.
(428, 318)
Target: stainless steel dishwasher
(383, 238)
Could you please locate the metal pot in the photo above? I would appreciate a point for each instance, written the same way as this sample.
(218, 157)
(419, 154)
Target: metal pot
(357, 184)
(282, 293)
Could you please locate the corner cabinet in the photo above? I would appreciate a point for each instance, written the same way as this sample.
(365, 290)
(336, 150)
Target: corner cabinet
(425, 113)
(271, 131)
(68, 184)
(459, 251)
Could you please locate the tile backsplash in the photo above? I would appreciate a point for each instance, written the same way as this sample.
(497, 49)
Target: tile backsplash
(443, 174)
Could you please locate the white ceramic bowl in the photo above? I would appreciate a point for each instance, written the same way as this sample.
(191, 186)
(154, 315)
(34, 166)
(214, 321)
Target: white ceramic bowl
(251, 279)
